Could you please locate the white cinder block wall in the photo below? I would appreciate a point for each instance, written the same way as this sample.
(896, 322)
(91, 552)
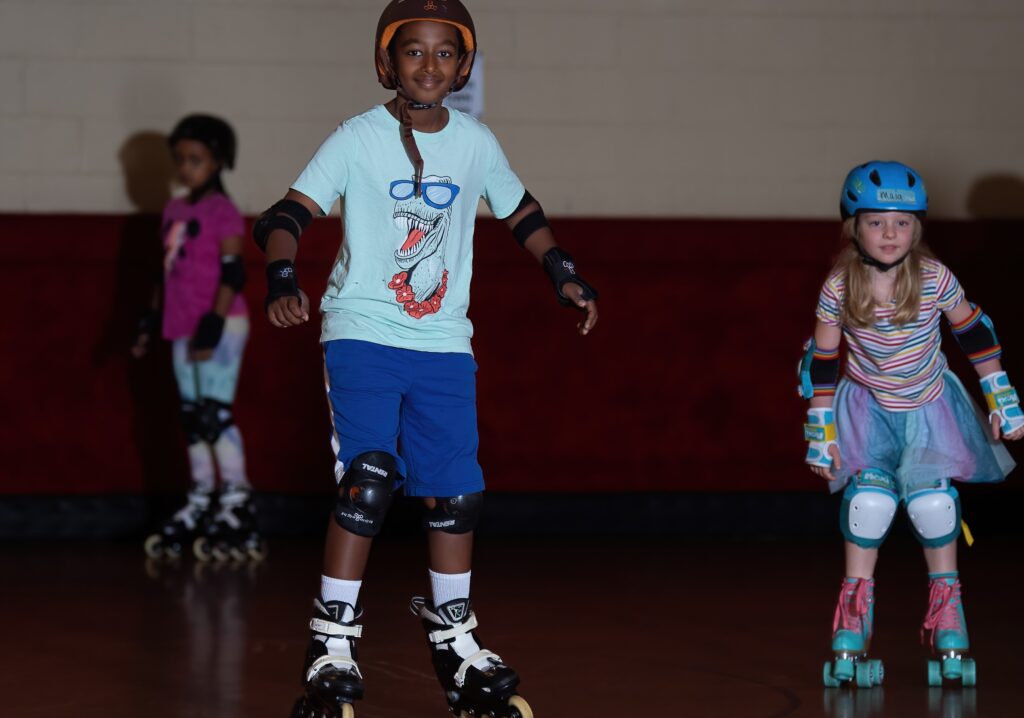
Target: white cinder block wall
(720, 108)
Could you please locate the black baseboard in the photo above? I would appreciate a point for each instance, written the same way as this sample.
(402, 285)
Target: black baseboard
(990, 510)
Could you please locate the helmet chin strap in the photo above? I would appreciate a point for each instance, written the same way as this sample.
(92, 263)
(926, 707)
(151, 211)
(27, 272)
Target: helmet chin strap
(872, 262)
(405, 110)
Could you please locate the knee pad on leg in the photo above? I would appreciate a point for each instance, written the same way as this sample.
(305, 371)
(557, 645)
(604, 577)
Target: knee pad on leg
(190, 421)
(455, 514)
(869, 506)
(365, 493)
(212, 417)
(935, 514)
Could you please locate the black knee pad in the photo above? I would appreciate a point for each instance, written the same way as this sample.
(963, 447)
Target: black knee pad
(212, 418)
(364, 494)
(190, 421)
(455, 514)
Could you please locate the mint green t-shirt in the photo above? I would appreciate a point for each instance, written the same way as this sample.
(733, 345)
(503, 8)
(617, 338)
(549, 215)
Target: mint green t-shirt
(402, 276)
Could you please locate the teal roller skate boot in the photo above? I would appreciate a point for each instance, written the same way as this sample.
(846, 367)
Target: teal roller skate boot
(851, 637)
(945, 631)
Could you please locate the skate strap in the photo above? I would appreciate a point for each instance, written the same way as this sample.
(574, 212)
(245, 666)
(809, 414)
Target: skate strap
(453, 632)
(330, 628)
(460, 675)
(338, 661)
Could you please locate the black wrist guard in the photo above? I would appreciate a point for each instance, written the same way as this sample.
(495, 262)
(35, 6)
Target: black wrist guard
(281, 281)
(149, 324)
(560, 267)
(209, 331)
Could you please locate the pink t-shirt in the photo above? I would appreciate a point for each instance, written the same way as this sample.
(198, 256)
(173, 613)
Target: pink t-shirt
(192, 234)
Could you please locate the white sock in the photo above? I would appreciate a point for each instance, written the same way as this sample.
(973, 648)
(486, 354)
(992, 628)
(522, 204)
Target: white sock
(449, 586)
(337, 589)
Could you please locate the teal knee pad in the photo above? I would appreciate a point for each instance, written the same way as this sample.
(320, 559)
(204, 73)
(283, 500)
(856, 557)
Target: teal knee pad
(934, 514)
(869, 507)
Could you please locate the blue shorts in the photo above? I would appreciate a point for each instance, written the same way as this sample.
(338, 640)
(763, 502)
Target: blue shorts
(419, 406)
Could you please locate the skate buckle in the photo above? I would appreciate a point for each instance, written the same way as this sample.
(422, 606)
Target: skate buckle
(460, 675)
(330, 628)
(454, 632)
(338, 661)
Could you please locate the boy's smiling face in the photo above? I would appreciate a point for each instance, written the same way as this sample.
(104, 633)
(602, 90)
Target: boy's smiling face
(425, 56)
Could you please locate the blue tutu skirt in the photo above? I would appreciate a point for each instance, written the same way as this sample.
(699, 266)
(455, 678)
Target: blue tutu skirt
(949, 438)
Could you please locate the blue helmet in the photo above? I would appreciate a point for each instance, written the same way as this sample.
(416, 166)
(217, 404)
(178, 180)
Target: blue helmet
(883, 187)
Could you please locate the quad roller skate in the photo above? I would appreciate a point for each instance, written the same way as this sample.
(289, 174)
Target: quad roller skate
(945, 630)
(331, 678)
(189, 522)
(231, 534)
(475, 681)
(851, 637)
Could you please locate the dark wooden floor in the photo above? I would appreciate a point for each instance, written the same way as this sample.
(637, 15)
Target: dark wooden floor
(596, 627)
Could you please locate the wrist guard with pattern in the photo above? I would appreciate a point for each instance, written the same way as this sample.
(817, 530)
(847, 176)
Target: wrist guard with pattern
(281, 281)
(820, 433)
(1002, 401)
(562, 269)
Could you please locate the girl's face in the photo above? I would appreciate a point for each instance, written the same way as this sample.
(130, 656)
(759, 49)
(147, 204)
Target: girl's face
(194, 163)
(426, 59)
(886, 236)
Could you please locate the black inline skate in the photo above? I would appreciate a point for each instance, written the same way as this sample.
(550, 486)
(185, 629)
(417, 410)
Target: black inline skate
(475, 681)
(188, 523)
(232, 533)
(331, 675)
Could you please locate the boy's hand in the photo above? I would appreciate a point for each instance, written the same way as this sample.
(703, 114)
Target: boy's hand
(198, 355)
(290, 311)
(574, 293)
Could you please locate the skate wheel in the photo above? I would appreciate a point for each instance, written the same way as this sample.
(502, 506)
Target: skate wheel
(863, 672)
(519, 708)
(347, 711)
(154, 546)
(201, 549)
(970, 673)
(830, 681)
(934, 673)
(876, 670)
(843, 670)
(258, 552)
(952, 668)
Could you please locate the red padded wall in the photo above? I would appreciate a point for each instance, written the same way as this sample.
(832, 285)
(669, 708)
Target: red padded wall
(688, 383)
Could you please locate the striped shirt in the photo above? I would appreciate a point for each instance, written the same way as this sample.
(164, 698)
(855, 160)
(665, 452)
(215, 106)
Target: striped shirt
(901, 366)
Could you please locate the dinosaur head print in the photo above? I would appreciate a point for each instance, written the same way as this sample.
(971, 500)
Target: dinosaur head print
(423, 221)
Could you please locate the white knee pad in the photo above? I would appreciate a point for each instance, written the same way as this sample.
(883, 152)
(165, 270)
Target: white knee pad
(935, 515)
(869, 507)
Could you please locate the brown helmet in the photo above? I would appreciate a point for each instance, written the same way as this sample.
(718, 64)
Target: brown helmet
(399, 12)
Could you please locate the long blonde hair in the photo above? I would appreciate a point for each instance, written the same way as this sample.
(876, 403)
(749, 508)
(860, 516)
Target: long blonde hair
(859, 303)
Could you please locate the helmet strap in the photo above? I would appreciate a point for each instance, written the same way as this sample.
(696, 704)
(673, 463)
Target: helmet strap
(872, 262)
(406, 106)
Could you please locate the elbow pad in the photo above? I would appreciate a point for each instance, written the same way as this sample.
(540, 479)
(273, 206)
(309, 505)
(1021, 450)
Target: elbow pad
(232, 272)
(818, 371)
(287, 214)
(977, 336)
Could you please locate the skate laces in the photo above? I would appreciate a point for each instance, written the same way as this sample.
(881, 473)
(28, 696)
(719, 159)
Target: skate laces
(853, 607)
(943, 610)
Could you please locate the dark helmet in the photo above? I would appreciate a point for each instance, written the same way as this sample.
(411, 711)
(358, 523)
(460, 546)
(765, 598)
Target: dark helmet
(399, 12)
(212, 131)
(883, 187)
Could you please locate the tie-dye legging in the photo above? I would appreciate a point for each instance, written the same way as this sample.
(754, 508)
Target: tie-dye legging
(216, 378)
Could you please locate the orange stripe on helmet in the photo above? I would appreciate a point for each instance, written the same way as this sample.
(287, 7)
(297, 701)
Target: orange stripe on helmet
(390, 30)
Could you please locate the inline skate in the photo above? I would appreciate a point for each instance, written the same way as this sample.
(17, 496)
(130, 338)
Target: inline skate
(232, 533)
(945, 631)
(851, 637)
(188, 523)
(475, 681)
(331, 675)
